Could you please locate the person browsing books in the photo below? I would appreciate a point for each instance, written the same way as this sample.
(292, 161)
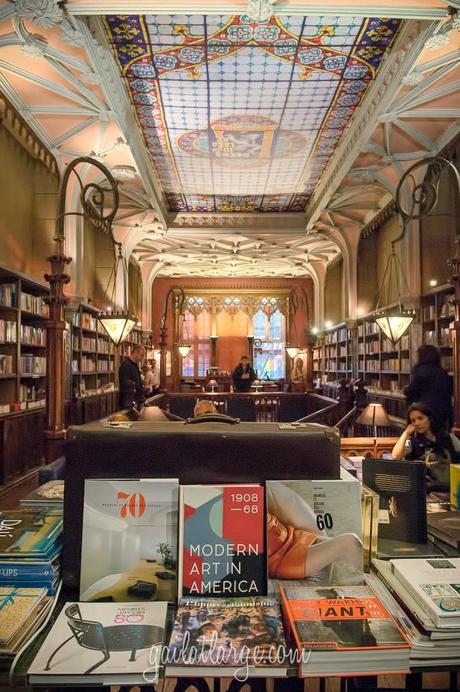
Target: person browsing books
(243, 375)
(425, 439)
(130, 380)
(430, 384)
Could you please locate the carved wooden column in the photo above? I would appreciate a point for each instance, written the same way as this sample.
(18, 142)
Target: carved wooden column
(55, 325)
(309, 352)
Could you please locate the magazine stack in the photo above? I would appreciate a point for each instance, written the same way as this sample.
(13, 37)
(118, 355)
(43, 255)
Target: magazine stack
(30, 547)
(424, 597)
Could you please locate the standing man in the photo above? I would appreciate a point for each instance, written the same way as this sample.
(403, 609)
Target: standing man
(130, 380)
(243, 375)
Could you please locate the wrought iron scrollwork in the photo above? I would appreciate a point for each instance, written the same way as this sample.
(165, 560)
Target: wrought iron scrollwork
(99, 201)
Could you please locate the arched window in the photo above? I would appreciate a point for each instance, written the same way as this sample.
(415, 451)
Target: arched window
(269, 360)
(197, 332)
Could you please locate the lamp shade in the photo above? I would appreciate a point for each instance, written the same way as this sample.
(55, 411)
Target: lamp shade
(184, 349)
(292, 351)
(117, 325)
(375, 415)
(395, 323)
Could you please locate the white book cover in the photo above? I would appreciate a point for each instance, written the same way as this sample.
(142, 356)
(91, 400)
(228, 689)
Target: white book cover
(129, 540)
(314, 532)
(102, 643)
(435, 584)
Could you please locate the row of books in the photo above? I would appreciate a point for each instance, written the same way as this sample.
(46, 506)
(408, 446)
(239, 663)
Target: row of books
(32, 364)
(8, 294)
(33, 335)
(34, 304)
(329, 631)
(8, 331)
(6, 364)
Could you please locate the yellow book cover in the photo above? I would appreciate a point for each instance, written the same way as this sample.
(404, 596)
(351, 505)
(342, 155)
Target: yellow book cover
(455, 485)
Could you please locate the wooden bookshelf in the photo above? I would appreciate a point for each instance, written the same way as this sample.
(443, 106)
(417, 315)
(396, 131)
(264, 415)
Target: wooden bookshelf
(437, 316)
(93, 362)
(23, 312)
(332, 355)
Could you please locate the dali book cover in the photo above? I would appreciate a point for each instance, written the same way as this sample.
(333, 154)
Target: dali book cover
(401, 488)
(29, 532)
(129, 540)
(231, 633)
(102, 643)
(221, 535)
(314, 532)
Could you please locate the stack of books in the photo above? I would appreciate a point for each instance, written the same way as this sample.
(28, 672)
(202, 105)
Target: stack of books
(444, 530)
(424, 597)
(22, 611)
(30, 548)
(343, 630)
(50, 494)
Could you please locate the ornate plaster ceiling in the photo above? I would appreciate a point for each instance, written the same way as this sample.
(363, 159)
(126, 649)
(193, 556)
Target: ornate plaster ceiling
(61, 73)
(240, 116)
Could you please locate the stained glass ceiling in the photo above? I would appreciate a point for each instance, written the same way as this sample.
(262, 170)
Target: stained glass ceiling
(239, 116)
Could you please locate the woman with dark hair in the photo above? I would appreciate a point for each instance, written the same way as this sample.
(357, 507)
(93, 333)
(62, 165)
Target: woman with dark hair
(430, 384)
(425, 439)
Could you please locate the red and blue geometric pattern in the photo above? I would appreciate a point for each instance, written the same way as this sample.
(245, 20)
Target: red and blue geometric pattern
(242, 116)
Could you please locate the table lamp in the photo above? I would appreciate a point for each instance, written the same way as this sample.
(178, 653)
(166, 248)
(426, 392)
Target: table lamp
(376, 416)
(212, 384)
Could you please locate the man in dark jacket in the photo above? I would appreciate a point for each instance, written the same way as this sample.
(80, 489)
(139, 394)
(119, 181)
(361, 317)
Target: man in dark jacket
(129, 377)
(243, 376)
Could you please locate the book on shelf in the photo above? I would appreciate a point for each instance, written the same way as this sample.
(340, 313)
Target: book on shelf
(50, 494)
(401, 488)
(435, 584)
(343, 630)
(129, 540)
(30, 532)
(301, 516)
(242, 637)
(102, 644)
(446, 527)
(221, 540)
(25, 631)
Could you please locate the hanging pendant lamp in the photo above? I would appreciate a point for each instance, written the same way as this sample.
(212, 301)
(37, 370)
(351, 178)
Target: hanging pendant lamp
(119, 323)
(393, 321)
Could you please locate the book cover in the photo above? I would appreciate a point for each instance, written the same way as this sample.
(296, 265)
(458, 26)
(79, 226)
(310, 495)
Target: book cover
(29, 532)
(401, 488)
(129, 540)
(221, 538)
(446, 526)
(455, 485)
(435, 584)
(328, 621)
(314, 532)
(102, 643)
(16, 606)
(242, 634)
(49, 494)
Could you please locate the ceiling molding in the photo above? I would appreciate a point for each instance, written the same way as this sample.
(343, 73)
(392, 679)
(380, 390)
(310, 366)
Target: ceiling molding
(25, 135)
(117, 96)
(379, 219)
(399, 62)
(356, 9)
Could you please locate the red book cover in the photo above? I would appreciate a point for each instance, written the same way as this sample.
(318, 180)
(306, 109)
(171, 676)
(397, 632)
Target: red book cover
(222, 540)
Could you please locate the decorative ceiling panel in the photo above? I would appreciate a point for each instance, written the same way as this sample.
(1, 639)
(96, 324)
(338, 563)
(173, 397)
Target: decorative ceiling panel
(244, 116)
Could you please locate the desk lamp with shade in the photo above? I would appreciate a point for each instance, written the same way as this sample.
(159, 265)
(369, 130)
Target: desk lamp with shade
(375, 416)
